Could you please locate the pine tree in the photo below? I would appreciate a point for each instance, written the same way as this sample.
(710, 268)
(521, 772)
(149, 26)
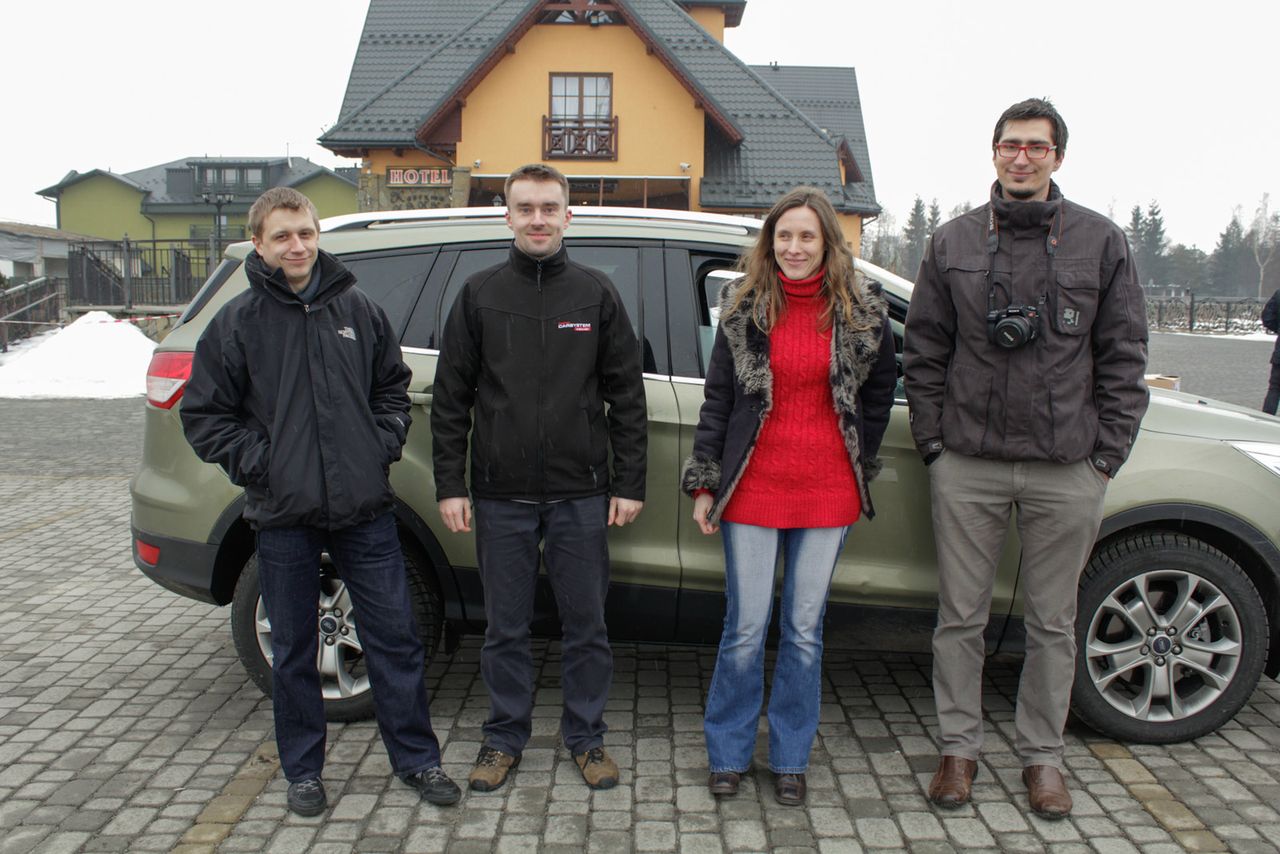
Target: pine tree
(1154, 246)
(1231, 264)
(914, 236)
(935, 217)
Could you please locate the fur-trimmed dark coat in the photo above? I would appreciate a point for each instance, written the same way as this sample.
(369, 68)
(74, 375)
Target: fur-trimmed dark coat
(739, 396)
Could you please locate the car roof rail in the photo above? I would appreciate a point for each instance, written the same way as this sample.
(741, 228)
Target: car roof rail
(374, 219)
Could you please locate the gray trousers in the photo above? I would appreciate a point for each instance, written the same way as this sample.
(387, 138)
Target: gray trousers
(1059, 510)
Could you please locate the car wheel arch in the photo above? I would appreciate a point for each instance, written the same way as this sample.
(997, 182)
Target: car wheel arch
(1229, 534)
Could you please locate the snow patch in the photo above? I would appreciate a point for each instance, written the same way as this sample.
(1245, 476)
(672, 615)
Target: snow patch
(95, 357)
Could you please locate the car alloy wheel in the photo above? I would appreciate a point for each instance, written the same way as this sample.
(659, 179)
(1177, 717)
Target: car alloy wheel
(1171, 637)
(344, 679)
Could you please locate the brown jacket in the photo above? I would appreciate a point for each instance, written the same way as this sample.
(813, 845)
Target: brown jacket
(1076, 391)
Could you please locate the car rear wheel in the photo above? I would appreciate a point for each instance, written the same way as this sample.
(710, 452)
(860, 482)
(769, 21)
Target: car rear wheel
(344, 678)
(1171, 636)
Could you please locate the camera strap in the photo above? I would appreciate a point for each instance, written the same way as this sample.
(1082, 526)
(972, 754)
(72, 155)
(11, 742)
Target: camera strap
(993, 246)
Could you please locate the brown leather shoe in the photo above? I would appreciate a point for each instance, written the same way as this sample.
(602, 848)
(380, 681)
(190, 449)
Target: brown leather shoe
(1047, 791)
(724, 782)
(789, 789)
(953, 782)
(491, 769)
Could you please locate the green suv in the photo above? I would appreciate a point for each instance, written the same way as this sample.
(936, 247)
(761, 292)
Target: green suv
(1178, 606)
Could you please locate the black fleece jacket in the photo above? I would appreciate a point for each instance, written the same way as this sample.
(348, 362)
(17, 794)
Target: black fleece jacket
(538, 347)
(304, 406)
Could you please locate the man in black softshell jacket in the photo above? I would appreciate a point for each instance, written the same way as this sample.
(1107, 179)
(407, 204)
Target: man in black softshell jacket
(298, 392)
(537, 347)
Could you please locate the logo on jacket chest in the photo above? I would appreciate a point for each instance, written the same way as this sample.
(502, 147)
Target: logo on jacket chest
(574, 326)
(347, 332)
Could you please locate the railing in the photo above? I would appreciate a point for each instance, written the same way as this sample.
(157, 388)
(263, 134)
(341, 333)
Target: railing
(138, 272)
(1204, 314)
(28, 308)
(580, 139)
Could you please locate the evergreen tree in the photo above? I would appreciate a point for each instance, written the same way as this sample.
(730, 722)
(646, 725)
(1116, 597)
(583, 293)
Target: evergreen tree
(959, 210)
(935, 217)
(1154, 245)
(1231, 266)
(914, 236)
(1188, 267)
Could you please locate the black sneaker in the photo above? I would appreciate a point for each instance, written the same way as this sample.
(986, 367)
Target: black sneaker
(306, 797)
(434, 786)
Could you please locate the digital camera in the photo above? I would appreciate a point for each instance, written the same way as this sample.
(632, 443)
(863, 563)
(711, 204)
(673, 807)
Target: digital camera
(1013, 326)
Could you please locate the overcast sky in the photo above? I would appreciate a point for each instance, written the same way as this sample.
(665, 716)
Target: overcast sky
(1171, 101)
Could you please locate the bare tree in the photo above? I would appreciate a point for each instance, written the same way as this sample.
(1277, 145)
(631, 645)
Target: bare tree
(1264, 234)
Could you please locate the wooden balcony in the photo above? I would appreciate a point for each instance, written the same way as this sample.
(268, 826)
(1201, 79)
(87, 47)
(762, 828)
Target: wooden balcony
(580, 139)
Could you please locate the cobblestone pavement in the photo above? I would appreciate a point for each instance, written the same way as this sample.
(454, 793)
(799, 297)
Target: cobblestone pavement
(127, 724)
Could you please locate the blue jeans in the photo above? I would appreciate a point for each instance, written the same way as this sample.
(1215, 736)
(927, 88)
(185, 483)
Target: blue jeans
(370, 564)
(737, 687)
(572, 534)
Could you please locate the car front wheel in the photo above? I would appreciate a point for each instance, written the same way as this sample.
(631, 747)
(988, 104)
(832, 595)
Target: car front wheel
(1171, 636)
(344, 678)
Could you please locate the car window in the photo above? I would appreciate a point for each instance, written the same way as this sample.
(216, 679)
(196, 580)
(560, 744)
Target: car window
(444, 284)
(393, 280)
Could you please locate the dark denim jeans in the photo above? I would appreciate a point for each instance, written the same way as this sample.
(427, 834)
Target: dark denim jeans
(370, 564)
(577, 558)
(1273, 392)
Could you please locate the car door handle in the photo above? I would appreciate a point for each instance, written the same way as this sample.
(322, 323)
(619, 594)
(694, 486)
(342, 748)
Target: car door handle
(421, 398)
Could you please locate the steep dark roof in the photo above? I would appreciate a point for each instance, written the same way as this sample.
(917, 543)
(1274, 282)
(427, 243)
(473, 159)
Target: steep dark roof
(416, 59)
(829, 96)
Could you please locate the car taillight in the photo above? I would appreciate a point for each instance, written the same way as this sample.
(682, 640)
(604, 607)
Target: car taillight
(167, 376)
(147, 553)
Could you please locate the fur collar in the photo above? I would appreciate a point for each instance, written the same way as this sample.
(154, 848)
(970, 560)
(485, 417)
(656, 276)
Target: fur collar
(853, 352)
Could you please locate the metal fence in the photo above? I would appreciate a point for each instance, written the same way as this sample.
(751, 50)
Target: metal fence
(29, 308)
(130, 273)
(1204, 314)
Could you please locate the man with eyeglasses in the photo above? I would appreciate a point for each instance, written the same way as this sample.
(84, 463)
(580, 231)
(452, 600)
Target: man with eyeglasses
(1024, 354)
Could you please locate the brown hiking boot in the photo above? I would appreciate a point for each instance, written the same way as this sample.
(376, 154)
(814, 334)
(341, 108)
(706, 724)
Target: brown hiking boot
(598, 768)
(491, 769)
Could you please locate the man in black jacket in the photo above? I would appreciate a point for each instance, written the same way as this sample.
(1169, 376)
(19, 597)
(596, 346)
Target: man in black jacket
(1024, 352)
(299, 393)
(1271, 322)
(538, 346)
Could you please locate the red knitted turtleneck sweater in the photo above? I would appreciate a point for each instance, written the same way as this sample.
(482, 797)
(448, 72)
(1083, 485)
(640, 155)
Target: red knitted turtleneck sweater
(799, 474)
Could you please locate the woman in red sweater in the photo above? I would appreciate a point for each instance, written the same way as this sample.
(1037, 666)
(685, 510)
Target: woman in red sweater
(798, 395)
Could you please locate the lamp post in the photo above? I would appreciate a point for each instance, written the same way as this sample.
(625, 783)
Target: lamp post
(218, 200)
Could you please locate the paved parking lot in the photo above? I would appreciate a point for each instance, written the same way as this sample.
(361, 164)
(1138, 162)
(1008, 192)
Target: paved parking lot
(127, 724)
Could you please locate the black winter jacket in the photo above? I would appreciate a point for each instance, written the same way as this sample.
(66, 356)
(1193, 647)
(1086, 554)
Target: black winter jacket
(1271, 323)
(1076, 392)
(739, 397)
(304, 406)
(538, 348)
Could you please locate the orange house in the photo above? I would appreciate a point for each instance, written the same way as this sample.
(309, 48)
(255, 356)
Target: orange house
(637, 101)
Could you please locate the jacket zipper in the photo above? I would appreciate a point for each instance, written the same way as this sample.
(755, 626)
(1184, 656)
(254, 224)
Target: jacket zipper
(542, 367)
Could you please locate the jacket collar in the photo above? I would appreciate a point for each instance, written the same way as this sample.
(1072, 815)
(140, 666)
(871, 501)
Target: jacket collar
(334, 278)
(529, 266)
(1015, 214)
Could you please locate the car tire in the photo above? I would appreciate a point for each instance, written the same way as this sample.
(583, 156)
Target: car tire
(344, 678)
(1171, 639)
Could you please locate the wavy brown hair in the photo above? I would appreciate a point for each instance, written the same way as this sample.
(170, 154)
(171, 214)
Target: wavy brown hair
(761, 294)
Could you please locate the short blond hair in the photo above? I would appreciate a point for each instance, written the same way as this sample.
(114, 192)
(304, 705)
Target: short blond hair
(279, 197)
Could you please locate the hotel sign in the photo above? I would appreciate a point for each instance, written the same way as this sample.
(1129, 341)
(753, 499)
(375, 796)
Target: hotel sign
(424, 177)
